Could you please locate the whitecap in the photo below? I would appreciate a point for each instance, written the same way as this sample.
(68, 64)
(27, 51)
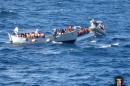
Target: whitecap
(93, 41)
(105, 46)
(48, 52)
(54, 42)
(116, 44)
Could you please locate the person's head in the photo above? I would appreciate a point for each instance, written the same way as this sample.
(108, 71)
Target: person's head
(119, 80)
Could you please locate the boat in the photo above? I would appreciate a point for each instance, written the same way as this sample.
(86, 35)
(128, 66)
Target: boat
(93, 30)
(89, 35)
(26, 38)
(97, 27)
(65, 36)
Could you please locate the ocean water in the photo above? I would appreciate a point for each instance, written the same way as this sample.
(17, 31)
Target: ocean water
(85, 63)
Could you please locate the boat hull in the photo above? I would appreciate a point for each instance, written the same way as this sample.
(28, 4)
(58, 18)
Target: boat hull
(70, 41)
(69, 37)
(86, 36)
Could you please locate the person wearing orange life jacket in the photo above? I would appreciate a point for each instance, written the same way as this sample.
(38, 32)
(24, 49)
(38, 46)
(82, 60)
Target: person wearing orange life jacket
(69, 28)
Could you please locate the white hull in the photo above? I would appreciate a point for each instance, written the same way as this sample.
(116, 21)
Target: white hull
(66, 37)
(86, 36)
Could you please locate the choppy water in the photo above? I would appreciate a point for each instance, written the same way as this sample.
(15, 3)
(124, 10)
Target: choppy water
(85, 63)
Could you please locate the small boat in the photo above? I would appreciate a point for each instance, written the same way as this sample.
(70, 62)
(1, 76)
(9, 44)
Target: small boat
(26, 38)
(66, 37)
(97, 27)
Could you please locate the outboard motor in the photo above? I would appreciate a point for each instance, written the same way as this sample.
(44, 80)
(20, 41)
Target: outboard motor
(100, 29)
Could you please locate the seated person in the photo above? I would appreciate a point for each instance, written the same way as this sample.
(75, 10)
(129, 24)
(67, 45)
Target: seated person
(118, 81)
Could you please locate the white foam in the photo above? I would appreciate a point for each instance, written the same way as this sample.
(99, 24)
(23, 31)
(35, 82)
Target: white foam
(54, 42)
(93, 41)
(105, 46)
(116, 44)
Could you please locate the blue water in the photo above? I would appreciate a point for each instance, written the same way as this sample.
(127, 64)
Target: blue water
(85, 63)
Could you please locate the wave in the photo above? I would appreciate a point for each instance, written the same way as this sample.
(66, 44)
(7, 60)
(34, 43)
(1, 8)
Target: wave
(120, 39)
(5, 50)
(50, 52)
(4, 13)
(127, 46)
(104, 46)
(115, 44)
(14, 83)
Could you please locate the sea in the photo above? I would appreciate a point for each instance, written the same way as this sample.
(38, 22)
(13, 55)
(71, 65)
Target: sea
(85, 63)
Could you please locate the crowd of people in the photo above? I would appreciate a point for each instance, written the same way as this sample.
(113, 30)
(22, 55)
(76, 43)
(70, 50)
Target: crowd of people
(95, 26)
(62, 31)
(83, 31)
(31, 35)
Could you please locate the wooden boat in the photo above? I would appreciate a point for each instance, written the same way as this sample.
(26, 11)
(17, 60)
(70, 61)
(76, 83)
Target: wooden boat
(26, 38)
(66, 37)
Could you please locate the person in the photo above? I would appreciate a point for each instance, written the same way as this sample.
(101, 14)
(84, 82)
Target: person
(87, 30)
(54, 32)
(36, 35)
(93, 24)
(119, 81)
(69, 28)
(32, 34)
(19, 35)
(62, 31)
(28, 35)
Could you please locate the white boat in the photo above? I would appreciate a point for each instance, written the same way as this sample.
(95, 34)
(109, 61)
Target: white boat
(15, 39)
(67, 37)
(99, 29)
(20, 40)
